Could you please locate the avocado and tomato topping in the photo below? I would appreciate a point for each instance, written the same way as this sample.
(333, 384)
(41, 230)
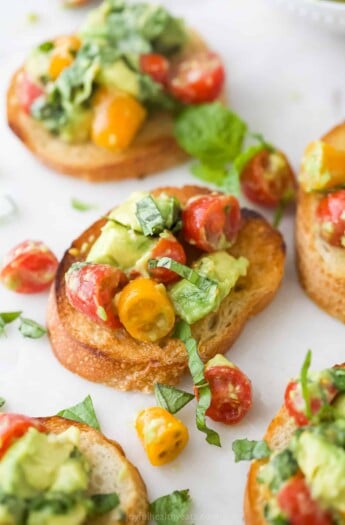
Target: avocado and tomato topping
(44, 477)
(100, 84)
(138, 273)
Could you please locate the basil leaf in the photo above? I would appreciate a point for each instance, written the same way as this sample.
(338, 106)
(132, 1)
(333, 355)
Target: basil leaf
(81, 206)
(103, 503)
(304, 384)
(31, 329)
(338, 378)
(212, 174)
(8, 208)
(211, 133)
(46, 47)
(172, 508)
(184, 271)
(170, 398)
(83, 412)
(244, 449)
(8, 317)
(2, 402)
(150, 218)
(196, 367)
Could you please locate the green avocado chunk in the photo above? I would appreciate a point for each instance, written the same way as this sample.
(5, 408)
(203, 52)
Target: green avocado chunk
(323, 464)
(119, 76)
(192, 303)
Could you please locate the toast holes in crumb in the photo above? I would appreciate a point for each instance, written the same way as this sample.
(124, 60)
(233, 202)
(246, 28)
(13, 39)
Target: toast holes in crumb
(212, 323)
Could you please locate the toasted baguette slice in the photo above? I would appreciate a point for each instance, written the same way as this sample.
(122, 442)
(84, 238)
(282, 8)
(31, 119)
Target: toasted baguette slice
(111, 472)
(321, 266)
(116, 359)
(154, 149)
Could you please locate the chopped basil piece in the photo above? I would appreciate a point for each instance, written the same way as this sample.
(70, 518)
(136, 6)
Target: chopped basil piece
(32, 18)
(184, 271)
(281, 467)
(104, 503)
(196, 367)
(245, 449)
(83, 412)
(46, 47)
(81, 206)
(304, 384)
(2, 402)
(170, 398)
(172, 508)
(8, 208)
(8, 317)
(31, 329)
(338, 378)
(149, 216)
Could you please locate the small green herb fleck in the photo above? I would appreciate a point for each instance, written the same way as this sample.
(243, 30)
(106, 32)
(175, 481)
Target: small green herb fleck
(101, 313)
(2, 402)
(83, 412)
(32, 18)
(46, 47)
(171, 398)
(81, 206)
(31, 329)
(304, 384)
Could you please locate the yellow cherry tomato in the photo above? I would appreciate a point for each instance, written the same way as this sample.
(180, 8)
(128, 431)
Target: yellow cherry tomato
(63, 54)
(117, 119)
(162, 435)
(145, 310)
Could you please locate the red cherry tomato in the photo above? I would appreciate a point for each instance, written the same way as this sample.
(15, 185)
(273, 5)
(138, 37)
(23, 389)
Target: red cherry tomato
(231, 394)
(297, 504)
(167, 247)
(197, 79)
(295, 404)
(14, 426)
(27, 91)
(267, 179)
(331, 216)
(156, 66)
(91, 288)
(29, 267)
(211, 222)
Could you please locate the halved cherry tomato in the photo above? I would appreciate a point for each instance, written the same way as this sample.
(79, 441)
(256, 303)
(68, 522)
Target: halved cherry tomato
(231, 392)
(29, 267)
(331, 216)
(267, 179)
(197, 79)
(14, 426)
(211, 222)
(63, 54)
(91, 289)
(117, 119)
(167, 247)
(156, 66)
(27, 91)
(295, 403)
(145, 310)
(300, 508)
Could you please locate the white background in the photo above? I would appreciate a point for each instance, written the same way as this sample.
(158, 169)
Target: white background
(286, 78)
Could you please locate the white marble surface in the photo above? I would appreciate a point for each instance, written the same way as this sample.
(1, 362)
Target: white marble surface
(286, 78)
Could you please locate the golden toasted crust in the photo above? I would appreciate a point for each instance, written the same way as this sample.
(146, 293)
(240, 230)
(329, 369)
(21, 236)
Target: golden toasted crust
(111, 472)
(154, 149)
(321, 266)
(277, 436)
(116, 359)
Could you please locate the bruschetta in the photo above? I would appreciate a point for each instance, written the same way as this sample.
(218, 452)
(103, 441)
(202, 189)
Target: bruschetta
(301, 479)
(53, 470)
(320, 223)
(172, 253)
(99, 104)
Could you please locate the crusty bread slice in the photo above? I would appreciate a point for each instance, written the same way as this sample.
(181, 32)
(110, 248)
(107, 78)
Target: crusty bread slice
(116, 359)
(277, 436)
(154, 149)
(111, 472)
(321, 266)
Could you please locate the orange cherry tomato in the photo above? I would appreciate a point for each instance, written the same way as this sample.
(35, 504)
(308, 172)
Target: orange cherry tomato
(62, 56)
(145, 310)
(330, 214)
(167, 247)
(29, 267)
(117, 119)
(91, 289)
(267, 179)
(14, 426)
(297, 503)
